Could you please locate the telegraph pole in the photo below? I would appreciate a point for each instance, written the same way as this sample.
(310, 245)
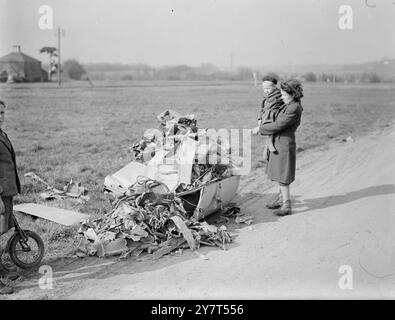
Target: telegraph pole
(59, 34)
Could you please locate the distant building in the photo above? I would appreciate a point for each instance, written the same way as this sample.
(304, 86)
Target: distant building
(17, 67)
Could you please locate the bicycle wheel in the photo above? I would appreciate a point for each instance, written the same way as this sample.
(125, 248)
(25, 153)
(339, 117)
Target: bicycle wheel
(26, 253)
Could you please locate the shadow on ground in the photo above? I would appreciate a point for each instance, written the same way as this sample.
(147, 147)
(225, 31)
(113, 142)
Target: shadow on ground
(329, 201)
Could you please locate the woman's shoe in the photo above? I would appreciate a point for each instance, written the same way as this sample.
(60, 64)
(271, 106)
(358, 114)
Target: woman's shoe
(284, 210)
(276, 203)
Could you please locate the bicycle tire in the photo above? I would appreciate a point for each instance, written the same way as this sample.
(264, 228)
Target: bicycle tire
(12, 250)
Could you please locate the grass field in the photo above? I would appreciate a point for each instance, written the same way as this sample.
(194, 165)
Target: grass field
(84, 133)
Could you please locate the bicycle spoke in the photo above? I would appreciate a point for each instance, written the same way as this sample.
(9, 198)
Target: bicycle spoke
(27, 251)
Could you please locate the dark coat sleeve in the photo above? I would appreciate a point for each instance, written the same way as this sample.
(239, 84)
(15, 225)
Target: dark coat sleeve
(9, 180)
(285, 118)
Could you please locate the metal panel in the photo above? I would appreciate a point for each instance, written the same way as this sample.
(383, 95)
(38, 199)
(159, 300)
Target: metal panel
(216, 194)
(61, 216)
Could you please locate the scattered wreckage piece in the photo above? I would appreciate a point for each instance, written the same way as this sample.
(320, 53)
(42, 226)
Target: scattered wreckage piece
(61, 216)
(165, 248)
(244, 219)
(116, 247)
(71, 190)
(234, 212)
(186, 232)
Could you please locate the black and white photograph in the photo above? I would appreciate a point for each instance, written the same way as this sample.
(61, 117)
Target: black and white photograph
(197, 150)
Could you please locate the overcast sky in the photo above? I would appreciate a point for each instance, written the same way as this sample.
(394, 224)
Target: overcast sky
(168, 32)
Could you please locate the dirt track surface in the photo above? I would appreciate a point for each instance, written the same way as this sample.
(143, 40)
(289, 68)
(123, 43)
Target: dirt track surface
(344, 202)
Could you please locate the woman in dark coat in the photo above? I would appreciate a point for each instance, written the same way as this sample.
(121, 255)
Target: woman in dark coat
(282, 162)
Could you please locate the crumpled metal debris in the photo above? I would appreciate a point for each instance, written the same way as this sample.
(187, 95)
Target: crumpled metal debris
(244, 219)
(173, 127)
(148, 221)
(149, 213)
(71, 190)
(212, 157)
(234, 212)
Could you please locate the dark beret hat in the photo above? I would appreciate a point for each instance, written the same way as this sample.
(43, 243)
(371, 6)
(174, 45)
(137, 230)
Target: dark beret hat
(269, 78)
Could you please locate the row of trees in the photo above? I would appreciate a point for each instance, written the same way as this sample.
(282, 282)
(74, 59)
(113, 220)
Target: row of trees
(71, 68)
(349, 77)
(210, 72)
(74, 70)
(205, 71)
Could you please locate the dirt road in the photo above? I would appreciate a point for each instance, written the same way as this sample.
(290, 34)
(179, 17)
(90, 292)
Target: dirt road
(343, 221)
